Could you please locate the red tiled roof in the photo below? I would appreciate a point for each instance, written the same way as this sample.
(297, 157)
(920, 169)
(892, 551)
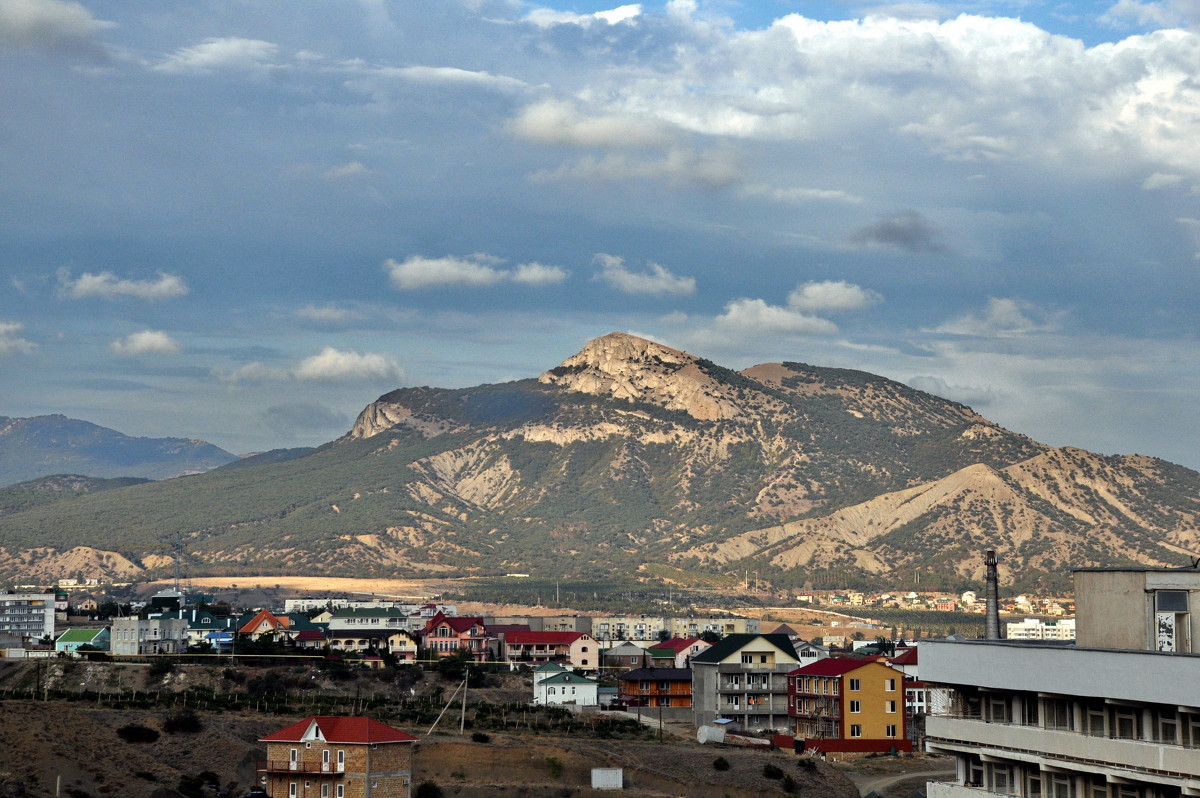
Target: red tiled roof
(459, 623)
(542, 638)
(276, 621)
(341, 729)
(906, 657)
(831, 666)
(678, 644)
(310, 634)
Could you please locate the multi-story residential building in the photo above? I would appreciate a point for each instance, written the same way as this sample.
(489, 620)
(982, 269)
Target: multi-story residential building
(338, 757)
(400, 643)
(695, 627)
(1115, 715)
(655, 687)
(852, 705)
(29, 616)
(743, 678)
(575, 648)
(141, 636)
(1038, 629)
(626, 656)
(630, 627)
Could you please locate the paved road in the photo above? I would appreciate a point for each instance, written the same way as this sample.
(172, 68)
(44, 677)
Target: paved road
(878, 782)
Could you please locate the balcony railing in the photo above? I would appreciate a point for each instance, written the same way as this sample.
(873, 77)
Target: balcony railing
(288, 766)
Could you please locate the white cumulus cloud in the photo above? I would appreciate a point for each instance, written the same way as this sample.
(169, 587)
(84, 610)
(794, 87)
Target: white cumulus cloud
(480, 269)
(535, 273)
(657, 280)
(146, 342)
(333, 365)
(10, 340)
(755, 315)
(46, 25)
(106, 285)
(453, 76)
(831, 296)
(1160, 180)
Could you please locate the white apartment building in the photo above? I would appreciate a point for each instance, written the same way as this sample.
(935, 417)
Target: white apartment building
(1038, 629)
(1114, 715)
(139, 636)
(29, 616)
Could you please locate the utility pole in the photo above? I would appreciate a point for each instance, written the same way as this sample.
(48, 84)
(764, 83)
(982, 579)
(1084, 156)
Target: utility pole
(462, 720)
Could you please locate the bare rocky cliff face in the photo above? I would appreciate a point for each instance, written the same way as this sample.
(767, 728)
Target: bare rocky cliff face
(633, 455)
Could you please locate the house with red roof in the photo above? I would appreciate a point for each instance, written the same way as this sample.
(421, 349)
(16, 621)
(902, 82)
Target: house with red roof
(848, 705)
(327, 756)
(265, 623)
(684, 648)
(578, 649)
(444, 635)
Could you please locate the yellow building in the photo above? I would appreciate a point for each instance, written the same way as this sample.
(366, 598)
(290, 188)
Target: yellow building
(850, 705)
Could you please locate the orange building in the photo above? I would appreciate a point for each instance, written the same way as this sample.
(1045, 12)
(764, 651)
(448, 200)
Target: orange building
(848, 705)
(338, 757)
(655, 687)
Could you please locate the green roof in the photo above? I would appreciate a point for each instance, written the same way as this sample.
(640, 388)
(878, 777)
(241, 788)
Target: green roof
(549, 666)
(79, 635)
(567, 678)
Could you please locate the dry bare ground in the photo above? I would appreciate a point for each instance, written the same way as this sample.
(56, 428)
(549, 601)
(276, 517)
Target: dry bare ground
(45, 742)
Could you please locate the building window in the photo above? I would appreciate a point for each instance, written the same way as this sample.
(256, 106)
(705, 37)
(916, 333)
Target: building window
(856, 706)
(855, 730)
(1059, 785)
(292, 789)
(747, 659)
(889, 685)
(890, 730)
(855, 684)
(889, 706)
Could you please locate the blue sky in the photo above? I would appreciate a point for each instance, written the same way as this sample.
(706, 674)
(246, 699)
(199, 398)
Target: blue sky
(242, 221)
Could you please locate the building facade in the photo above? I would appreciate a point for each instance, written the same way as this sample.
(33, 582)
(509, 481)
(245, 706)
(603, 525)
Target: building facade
(142, 636)
(29, 616)
(655, 687)
(338, 757)
(1116, 715)
(743, 678)
(850, 705)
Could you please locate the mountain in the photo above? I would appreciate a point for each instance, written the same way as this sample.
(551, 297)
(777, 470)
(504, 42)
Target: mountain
(632, 458)
(45, 445)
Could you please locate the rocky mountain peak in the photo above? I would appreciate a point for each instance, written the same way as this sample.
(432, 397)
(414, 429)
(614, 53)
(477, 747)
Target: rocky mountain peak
(635, 369)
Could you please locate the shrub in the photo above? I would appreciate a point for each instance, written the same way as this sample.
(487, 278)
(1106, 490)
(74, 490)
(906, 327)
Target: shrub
(145, 775)
(161, 667)
(183, 720)
(789, 784)
(480, 737)
(720, 763)
(556, 766)
(137, 733)
(427, 789)
(772, 771)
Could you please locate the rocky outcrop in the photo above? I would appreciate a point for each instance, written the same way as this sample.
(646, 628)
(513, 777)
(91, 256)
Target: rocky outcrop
(637, 370)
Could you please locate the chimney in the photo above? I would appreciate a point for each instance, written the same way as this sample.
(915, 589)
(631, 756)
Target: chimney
(992, 593)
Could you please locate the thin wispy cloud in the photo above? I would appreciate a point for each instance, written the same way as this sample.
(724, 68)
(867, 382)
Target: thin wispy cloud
(11, 342)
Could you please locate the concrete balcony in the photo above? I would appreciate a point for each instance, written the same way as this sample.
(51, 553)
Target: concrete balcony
(947, 789)
(1069, 748)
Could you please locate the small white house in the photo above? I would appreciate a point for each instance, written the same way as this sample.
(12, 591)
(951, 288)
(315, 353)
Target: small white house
(566, 688)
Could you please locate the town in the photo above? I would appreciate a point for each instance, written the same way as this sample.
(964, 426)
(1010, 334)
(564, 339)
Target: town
(1009, 712)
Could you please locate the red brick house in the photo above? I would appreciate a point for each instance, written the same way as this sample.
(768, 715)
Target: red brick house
(338, 757)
